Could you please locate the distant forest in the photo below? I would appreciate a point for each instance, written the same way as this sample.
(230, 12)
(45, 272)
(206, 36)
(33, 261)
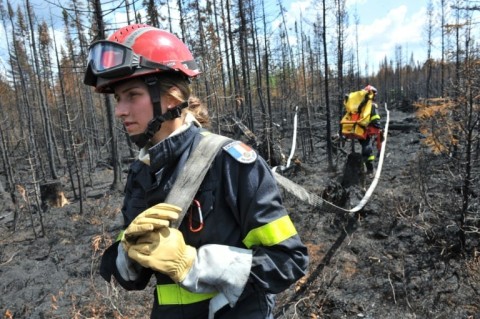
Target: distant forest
(53, 126)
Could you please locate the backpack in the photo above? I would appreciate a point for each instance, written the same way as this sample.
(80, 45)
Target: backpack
(358, 107)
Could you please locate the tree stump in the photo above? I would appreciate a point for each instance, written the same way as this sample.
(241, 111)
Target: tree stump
(336, 194)
(52, 194)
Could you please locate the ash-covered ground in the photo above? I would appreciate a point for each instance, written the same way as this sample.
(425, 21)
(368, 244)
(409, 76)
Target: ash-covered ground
(399, 257)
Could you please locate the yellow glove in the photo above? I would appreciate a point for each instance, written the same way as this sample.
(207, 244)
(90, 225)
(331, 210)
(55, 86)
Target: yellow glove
(165, 251)
(153, 218)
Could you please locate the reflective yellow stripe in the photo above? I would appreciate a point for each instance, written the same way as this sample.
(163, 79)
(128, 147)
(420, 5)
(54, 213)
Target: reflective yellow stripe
(173, 294)
(375, 117)
(371, 158)
(120, 236)
(271, 233)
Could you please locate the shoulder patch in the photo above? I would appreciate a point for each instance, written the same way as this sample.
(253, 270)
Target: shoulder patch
(241, 152)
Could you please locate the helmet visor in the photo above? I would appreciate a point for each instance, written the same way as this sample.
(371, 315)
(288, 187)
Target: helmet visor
(110, 59)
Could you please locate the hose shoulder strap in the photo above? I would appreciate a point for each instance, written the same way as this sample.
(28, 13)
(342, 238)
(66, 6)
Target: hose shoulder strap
(188, 182)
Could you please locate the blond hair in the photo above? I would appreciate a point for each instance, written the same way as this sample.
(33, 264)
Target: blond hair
(184, 93)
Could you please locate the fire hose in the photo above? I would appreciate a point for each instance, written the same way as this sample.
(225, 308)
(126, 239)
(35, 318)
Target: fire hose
(315, 200)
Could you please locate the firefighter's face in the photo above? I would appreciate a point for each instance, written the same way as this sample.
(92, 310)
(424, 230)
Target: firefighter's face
(135, 109)
(134, 106)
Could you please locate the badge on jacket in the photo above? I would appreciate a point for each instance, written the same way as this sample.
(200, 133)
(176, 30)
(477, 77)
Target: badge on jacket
(241, 152)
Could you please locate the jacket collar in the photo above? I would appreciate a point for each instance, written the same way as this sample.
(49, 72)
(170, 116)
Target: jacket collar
(169, 150)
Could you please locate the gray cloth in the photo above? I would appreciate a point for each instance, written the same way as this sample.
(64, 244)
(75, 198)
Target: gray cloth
(219, 268)
(127, 268)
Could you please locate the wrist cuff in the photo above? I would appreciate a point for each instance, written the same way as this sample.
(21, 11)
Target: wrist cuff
(220, 268)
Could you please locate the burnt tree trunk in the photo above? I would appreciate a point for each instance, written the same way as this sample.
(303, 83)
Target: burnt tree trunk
(353, 172)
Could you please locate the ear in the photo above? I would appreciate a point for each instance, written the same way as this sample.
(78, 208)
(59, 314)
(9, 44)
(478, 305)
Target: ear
(171, 103)
(173, 92)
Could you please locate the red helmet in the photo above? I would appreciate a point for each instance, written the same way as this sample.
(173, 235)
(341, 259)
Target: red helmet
(371, 88)
(133, 51)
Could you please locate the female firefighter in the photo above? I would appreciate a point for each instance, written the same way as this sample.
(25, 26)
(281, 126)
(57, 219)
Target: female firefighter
(236, 247)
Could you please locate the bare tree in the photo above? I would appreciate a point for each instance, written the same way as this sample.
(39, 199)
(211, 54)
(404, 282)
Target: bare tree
(442, 62)
(71, 150)
(326, 85)
(341, 25)
(429, 32)
(115, 158)
(152, 13)
(47, 127)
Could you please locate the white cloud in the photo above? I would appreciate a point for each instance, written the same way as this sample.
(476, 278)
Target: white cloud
(398, 27)
(3, 43)
(352, 3)
(299, 8)
(3, 69)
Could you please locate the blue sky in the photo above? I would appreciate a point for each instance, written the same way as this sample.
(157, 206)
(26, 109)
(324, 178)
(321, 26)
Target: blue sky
(383, 25)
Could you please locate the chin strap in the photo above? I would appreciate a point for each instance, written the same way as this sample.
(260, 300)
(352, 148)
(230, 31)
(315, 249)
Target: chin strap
(154, 125)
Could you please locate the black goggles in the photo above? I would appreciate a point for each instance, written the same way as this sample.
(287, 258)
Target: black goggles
(111, 60)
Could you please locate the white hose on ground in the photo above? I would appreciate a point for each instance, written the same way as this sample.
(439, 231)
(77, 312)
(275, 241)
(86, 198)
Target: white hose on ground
(294, 139)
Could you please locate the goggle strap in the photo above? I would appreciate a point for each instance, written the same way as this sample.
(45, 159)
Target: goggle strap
(144, 63)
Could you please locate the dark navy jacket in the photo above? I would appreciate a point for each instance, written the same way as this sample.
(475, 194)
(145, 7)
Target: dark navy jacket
(235, 198)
